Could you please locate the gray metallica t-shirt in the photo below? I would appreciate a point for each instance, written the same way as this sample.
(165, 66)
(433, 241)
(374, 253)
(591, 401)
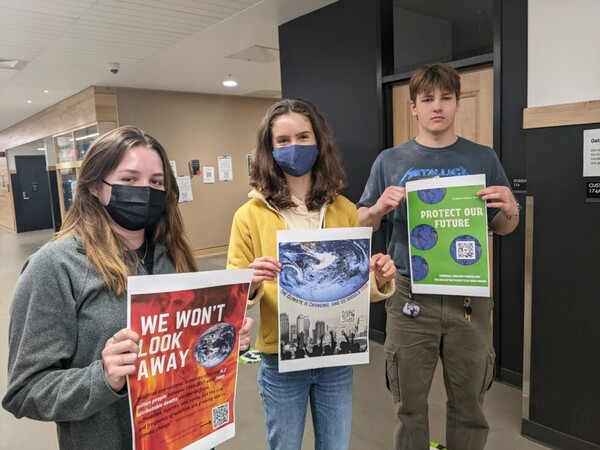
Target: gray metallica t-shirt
(412, 161)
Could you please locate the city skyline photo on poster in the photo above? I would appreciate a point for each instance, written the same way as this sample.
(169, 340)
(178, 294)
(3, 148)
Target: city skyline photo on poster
(323, 297)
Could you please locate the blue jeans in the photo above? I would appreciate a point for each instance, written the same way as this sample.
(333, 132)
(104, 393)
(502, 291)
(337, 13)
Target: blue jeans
(284, 397)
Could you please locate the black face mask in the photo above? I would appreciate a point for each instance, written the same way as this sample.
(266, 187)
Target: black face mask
(135, 207)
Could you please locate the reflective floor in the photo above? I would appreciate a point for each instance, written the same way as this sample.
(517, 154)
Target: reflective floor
(372, 416)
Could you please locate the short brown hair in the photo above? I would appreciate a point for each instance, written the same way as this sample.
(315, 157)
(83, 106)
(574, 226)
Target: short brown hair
(328, 176)
(428, 78)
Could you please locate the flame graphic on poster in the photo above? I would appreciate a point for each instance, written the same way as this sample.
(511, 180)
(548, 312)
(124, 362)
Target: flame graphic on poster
(184, 386)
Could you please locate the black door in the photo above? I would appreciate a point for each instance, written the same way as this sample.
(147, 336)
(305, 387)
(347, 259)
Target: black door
(32, 194)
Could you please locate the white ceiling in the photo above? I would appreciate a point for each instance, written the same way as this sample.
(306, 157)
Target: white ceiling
(183, 45)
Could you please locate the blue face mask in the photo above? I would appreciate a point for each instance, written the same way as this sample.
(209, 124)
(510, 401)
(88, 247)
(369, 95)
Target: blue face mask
(296, 160)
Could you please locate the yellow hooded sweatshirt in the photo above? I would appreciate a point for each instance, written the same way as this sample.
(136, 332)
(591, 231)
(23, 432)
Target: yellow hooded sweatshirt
(254, 234)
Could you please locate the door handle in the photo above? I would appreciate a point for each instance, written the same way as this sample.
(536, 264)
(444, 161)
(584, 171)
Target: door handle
(25, 196)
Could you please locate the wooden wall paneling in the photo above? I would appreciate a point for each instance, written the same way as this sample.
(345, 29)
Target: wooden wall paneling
(93, 105)
(7, 209)
(579, 113)
(106, 105)
(73, 112)
(104, 127)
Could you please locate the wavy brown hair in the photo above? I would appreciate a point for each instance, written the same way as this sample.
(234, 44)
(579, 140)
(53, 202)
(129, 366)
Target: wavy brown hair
(427, 78)
(328, 176)
(88, 219)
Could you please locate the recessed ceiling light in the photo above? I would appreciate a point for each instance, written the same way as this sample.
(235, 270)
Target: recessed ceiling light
(229, 82)
(29, 101)
(45, 91)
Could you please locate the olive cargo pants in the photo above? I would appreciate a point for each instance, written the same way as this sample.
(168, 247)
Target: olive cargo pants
(412, 348)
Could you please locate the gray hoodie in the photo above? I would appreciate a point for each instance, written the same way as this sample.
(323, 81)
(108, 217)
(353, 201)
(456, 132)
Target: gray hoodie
(61, 317)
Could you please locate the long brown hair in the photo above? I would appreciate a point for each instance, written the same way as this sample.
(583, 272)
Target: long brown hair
(89, 221)
(328, 176)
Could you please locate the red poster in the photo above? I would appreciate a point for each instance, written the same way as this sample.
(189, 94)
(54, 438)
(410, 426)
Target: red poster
(183, 392)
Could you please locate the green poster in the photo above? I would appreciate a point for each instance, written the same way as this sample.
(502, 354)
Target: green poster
(447, 232)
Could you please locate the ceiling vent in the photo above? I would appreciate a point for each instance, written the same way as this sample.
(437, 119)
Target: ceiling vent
(14, 64)
(257, 54)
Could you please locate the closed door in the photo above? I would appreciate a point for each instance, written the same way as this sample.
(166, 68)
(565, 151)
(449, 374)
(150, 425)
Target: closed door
(474, 120)
(32, 194)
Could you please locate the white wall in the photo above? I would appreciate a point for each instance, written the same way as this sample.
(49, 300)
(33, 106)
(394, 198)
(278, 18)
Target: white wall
(563, 52)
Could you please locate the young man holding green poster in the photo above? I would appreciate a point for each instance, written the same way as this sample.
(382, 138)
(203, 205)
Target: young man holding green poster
(423, 327)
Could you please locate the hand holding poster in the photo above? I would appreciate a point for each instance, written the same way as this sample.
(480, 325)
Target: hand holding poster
(182, 394)
(447, 226)
(323, 297)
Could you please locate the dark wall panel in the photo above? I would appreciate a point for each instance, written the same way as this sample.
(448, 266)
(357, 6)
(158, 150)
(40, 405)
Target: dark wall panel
(332, 57)
(565, 336)
(511, 73)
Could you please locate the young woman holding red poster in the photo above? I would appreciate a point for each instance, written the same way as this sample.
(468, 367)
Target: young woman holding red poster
(70, 351)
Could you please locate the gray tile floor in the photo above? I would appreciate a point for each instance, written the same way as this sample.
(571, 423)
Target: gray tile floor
(372, 416)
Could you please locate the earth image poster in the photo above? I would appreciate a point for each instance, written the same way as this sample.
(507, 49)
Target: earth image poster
(447, 232)
(182, 394)
(323, 297)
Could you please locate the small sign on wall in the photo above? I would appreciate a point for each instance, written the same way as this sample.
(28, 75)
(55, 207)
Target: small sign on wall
(519, 185)
(593, 191)
(225, 168)
(208, 174)
(195, 167)
(591, 153)
(185, 188)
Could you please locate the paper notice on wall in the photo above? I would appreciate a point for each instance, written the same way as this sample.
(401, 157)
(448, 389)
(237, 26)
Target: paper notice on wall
(591, 153)
(225, 168)
(208, 174)
(173, 165)
(185, 188)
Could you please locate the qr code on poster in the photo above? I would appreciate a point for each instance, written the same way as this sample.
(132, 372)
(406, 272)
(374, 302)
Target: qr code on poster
(465, 249)
(220, 415)
(348, 316)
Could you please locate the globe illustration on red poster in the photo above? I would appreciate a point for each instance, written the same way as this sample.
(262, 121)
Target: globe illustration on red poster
(215, 345)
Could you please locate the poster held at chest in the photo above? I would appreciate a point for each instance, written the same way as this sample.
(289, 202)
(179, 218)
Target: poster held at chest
(182, 394)
(323, 297)
(447, 231)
